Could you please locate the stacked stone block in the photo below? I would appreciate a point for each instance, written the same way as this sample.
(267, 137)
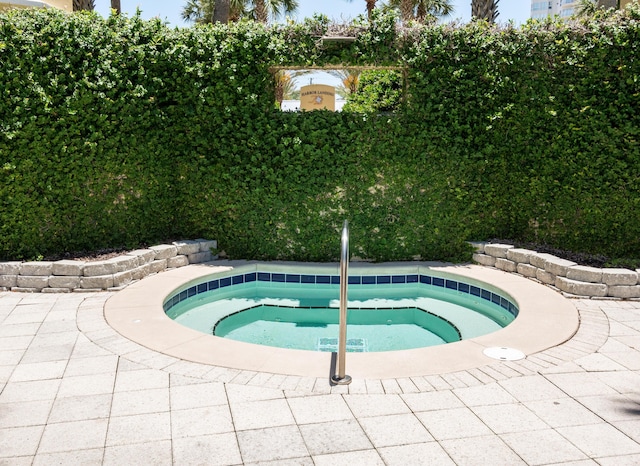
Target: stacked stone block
(566, 276)
(112, 274)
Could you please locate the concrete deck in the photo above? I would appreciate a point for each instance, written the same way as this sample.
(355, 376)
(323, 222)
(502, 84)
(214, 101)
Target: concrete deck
(74, 391)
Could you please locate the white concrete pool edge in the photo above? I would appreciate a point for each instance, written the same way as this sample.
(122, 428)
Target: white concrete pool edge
(546, 319)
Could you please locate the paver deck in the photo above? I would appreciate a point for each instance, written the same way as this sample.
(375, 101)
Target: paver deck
(73, 391)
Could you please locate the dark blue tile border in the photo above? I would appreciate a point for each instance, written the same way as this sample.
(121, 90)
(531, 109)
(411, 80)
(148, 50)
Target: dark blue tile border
(440, 282)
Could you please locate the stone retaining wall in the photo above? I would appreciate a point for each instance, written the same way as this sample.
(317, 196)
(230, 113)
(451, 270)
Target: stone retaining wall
(566, 276)
(112, 274)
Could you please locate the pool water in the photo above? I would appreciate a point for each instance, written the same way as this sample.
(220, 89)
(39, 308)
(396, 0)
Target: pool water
(381, 317)
(315, 329)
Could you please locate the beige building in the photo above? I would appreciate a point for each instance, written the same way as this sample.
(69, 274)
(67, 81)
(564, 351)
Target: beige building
(66, 5)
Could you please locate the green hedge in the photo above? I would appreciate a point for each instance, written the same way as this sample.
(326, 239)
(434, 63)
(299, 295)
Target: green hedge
(122, 131)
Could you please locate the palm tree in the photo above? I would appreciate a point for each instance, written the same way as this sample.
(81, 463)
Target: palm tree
(212, 11)
(421, 10)
(262, 8)
(349, 79)
(485, 9)
(115, 5)
(371, 4)
(79, 5)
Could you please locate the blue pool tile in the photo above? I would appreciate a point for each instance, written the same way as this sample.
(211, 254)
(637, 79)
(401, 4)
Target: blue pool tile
(426, 279)
(504, 303)
(451, 284)
(213, 285)
(225, 282)
(369, 280)
(191, 291)
(202, 287)
(485, 294)
(237, 279)
(475, 290)
(175, 300)
(495, 299)
(412, 279)
(383, 279)
(278, 277)
(463, 287)
(335, 280)
(398, 279)
(438, 281)
(354, 280)
(264, 277)
(323, 279)
(250, 277)
(183, 295)
(292, 278)
(307, 278)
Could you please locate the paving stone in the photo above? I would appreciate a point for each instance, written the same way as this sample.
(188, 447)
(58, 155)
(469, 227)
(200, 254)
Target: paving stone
(619, 277)
(540, 258)
(67, 268)
(527, 270)
(545, 277)
(484, 259)
(497, 250)
(36, 268)
(583, 273)
(164, 251)
(506, 265)
(100, 282)
(10, 268)
(122, 278)
(581, 288)
(144, 256)
(177, 261)
(64, 281)
(124, 263)
(207, 245)
(557, 266)
(626, 292)
(8, 281)
(24, 281)
(520, 255)
(157, 266)
(98, 268)
(187, 247)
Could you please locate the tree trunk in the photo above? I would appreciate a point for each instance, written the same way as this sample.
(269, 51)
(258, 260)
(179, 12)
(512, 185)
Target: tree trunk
(79, 5)
(371, 4)
(406, 10)
(485, 9)
(115, 5)
(221, 11)
(262, 15)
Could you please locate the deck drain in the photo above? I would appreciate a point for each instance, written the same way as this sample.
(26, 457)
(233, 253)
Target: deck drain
(504, 354)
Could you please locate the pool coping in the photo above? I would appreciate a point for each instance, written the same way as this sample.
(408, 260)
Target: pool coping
(546, 319)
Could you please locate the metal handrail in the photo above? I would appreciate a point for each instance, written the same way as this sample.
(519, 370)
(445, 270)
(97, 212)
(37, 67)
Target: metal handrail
(341, 378)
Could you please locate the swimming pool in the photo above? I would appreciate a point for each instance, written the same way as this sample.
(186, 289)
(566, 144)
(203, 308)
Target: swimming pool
(388, 311)
(545, 319)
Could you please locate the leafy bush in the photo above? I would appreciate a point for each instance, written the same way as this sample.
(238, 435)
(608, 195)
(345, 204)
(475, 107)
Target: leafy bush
(120, 131)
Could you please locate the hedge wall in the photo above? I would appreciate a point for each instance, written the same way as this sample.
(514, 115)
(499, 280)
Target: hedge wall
(122, 131)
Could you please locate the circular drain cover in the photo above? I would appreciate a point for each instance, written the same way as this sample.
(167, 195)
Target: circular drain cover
(504, 354)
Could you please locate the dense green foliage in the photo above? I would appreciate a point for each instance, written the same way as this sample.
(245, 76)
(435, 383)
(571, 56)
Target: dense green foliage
(378, 91)
(120, 131)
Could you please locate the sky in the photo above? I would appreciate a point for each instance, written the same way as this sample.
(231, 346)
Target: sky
(340, 10)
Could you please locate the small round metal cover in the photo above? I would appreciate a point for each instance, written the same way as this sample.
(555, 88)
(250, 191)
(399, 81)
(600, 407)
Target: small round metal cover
(503, 353)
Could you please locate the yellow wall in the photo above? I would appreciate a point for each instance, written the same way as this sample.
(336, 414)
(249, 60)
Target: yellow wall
(66, 5)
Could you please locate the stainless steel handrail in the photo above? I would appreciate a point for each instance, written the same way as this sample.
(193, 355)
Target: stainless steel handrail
(341, 378)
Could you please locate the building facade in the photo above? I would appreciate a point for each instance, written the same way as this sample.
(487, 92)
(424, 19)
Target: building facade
(66, 5)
